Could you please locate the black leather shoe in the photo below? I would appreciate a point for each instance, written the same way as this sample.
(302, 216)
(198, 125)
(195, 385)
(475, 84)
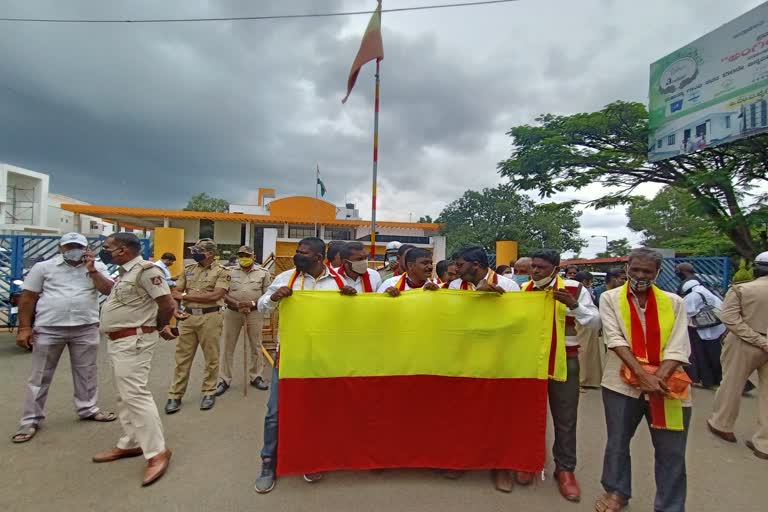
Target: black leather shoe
(221, 388)
(172, 405)
(207, 402)
(259, 383)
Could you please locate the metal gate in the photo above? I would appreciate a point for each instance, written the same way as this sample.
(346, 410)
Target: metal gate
(713, 271)
(17, 255)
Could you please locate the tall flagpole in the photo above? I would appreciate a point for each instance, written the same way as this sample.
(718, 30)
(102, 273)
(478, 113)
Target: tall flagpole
(317, 184)
(375, 161)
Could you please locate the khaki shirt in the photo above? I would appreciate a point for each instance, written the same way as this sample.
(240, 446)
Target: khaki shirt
(248, 286)
(132, 300)
(745, 311)
(678, 346)
(197, 278)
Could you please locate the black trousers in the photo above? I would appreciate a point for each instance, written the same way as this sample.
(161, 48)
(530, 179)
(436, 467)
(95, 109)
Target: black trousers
(705, 364)
(564, 407)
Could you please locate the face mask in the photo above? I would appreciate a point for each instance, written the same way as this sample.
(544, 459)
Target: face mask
(521, 279)
(105, 256)
(74, 255)
(640, 285)
(198, 257)
(303, 263)
(544, 282)
(245, 262)
(359, 267)
(391, 258)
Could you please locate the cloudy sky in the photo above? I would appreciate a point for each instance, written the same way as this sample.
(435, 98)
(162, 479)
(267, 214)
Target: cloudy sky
(149, 114)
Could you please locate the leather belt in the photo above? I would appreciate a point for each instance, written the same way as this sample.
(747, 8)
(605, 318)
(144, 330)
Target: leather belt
(238, 309)
(201, 311)
(130, 331)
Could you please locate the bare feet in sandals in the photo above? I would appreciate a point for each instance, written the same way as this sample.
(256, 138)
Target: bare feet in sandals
(25, 433)
(610, 502)
(101, 417)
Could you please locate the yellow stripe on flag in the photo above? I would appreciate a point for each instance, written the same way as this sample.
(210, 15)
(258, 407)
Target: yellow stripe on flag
(673, 414)
(447, 332)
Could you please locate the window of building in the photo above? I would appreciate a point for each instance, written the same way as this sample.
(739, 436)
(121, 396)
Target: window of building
(659, 143)
(753, 115)
(94, 226)
(764, 113)
(727, 122)
(301, 231)
(701, 130)
(671, 140)
(336, 233)
(206, 229)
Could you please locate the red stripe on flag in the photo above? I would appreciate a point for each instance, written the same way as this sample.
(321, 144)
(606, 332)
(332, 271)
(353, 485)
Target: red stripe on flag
(658, 412)
(421, 421)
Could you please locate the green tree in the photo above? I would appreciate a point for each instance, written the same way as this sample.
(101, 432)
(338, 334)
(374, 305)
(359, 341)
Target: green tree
(672, 219)
(426, 219)
(609, 148)
(500, 213)
(616, 248)
(204, 203)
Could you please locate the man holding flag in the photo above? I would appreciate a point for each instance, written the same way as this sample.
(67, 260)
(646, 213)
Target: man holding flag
(646, 330)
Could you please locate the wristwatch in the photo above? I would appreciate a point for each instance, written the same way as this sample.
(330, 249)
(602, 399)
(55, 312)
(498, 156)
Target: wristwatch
(253, 303)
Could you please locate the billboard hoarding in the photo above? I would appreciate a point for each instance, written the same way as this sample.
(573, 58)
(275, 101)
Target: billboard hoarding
(712, 91)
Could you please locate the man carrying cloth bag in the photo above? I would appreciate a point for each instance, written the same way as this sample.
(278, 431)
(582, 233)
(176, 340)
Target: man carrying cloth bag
(646, 332)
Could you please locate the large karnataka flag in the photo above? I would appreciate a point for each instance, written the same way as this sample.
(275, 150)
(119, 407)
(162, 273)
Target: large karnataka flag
(371, 48)
(433, 379)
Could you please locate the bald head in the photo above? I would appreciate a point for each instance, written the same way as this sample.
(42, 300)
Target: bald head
(523, 266)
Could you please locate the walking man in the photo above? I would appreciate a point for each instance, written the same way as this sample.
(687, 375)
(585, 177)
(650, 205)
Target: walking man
(62, 295)
(139, 307)
(248, 282)
(745, 315)
(200, 289)
(646, 332)
(705, 332)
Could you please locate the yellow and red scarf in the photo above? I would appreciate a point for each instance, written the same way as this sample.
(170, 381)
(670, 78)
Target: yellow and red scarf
(400, 285)
(367, 288)
(558, 365)
(296, 273)
(648, 347)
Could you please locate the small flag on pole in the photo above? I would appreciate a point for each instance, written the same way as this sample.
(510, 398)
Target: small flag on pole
(320, 183)
(371, 47)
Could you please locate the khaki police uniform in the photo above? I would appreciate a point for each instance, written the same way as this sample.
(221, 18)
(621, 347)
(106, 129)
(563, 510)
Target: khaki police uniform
(130, 306)
(244, 287)
(745, 314)
(202, 327)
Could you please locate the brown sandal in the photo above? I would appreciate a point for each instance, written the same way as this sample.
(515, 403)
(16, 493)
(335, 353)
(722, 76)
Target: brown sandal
(610, 502)
(101, 417)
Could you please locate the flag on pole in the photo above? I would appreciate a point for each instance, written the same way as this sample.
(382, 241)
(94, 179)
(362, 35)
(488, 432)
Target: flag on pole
(320, 183)
(371, 48)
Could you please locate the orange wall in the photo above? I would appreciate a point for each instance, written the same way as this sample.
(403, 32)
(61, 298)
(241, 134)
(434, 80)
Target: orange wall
(302, 207)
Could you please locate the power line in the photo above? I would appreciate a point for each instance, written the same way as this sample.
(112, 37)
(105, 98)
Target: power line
(252, 18)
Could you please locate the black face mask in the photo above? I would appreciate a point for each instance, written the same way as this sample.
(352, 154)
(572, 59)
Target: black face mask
(198, 257)
(303, 263)
(105, 256)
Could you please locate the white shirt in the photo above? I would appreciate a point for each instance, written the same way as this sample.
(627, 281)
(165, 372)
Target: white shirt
(357, 284)
(694, 302)
(167, 272)
(586, 313)
(506, 284)
(303, 281)
(393, 281)
(68, 296)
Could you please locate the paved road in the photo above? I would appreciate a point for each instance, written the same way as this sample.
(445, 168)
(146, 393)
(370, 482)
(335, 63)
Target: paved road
(215, 461)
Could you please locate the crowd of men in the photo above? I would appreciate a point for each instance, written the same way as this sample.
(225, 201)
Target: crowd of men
(644, 371)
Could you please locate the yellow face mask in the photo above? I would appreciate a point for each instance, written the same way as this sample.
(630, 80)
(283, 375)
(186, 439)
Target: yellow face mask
(245, 262)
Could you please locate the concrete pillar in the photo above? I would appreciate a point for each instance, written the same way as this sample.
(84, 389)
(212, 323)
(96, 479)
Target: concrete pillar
(438, 248)
(166, 222)
(170, 240)
(248, 234)
(285, 230)
(506, 251)
(270, 243)
(322, 232)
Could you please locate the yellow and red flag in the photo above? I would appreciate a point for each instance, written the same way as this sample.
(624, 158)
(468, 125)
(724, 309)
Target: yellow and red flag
(371, 48)
(441, 379)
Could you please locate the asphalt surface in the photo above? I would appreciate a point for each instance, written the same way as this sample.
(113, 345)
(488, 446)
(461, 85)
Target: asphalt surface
(215, 460)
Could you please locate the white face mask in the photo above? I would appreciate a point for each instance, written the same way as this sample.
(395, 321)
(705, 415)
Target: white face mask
(542, 283)
(359, 267)
(74, 255)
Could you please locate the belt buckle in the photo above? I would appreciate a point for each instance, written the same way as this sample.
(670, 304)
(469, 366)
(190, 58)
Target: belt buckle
(197, 311)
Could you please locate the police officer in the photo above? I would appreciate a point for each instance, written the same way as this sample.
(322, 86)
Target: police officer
(248, 282)
(139, 306)
(200, 289)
